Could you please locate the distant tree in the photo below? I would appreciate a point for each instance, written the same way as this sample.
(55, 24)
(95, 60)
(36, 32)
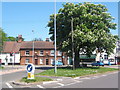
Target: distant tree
(37, 39)
(11, 38)
(91, 29)
(3, 37)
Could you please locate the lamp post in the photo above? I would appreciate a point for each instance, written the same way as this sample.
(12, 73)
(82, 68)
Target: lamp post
(55, 36)
(33, 49)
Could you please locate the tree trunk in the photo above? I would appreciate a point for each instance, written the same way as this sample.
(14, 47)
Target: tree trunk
(77, 60)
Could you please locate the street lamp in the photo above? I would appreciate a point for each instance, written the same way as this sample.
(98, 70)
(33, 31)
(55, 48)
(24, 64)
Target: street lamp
(55, 36)
(33, 49)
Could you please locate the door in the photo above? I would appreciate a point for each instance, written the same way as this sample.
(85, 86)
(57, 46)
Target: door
(36, 61)
(47, 62)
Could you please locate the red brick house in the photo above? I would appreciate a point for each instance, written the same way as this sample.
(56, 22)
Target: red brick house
(43, 53)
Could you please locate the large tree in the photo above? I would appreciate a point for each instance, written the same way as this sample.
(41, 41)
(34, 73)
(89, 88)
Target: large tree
(91, 29)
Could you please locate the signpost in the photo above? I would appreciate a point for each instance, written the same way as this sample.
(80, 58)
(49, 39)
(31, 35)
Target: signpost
(30, 70)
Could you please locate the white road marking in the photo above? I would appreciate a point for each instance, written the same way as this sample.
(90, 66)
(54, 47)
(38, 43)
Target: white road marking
(104, 75)
(49, 82)
(60, 84)
(68, 84)
(77, 78)
(40, 86)
(9, 85)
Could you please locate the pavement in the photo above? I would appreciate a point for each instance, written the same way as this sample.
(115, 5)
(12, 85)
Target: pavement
(10, 69)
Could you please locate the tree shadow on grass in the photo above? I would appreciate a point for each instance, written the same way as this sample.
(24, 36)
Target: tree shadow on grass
(70, 68)
(44, 68)
(67, 67)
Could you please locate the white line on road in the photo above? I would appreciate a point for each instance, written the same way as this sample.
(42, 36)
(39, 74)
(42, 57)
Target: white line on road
(40, 86)
(60, 84)
(9, 85)
(69, 84)
(104, 75)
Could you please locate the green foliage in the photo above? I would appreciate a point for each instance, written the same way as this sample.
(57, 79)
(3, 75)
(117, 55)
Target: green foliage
(5, 37)
(67, 72)
(91, 24)
(11, 39)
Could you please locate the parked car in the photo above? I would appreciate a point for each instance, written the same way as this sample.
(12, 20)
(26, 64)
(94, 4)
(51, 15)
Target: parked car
(58, 63)
(98, 63)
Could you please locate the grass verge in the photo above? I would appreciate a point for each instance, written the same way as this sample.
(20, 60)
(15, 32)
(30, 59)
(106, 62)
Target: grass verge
(68, 72)
(37, 79)
(1, 67)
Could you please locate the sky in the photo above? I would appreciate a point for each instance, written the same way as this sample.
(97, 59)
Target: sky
(20, 18)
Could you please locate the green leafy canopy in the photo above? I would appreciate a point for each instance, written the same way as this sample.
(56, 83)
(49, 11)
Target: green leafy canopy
(91, 24)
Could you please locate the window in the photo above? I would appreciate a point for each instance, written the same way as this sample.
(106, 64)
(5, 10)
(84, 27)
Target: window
(27, 52)
(10, 59)
(105, 56)
(41, 53)
(52, 61)
(60, 59)
(52, 52)
(41, 61)
(27, 61)
(59, 53)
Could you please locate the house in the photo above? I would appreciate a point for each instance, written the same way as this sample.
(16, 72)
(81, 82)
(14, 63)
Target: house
(22, 52)
(10, 54)
(43, 53)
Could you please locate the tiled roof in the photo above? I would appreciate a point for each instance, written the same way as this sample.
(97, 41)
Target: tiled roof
(11, 46)
(37, 45)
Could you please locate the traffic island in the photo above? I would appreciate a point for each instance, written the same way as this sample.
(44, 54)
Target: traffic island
(68, 72)
(24, 81)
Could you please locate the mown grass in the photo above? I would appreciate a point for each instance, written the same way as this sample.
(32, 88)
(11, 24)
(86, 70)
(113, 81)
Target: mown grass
(37, 79)
(68, 72)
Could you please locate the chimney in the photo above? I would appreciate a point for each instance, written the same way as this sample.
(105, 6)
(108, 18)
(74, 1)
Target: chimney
(47, 39)
(20, 39)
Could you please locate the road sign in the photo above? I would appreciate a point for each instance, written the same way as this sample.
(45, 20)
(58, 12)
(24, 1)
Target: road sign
(30, 69)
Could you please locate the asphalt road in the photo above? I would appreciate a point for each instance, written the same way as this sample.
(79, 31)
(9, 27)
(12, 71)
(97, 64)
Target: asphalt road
(105, 81)
(108, 80)
(14, 77)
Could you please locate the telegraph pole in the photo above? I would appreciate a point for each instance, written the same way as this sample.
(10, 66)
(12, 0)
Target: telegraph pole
(55, 35)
